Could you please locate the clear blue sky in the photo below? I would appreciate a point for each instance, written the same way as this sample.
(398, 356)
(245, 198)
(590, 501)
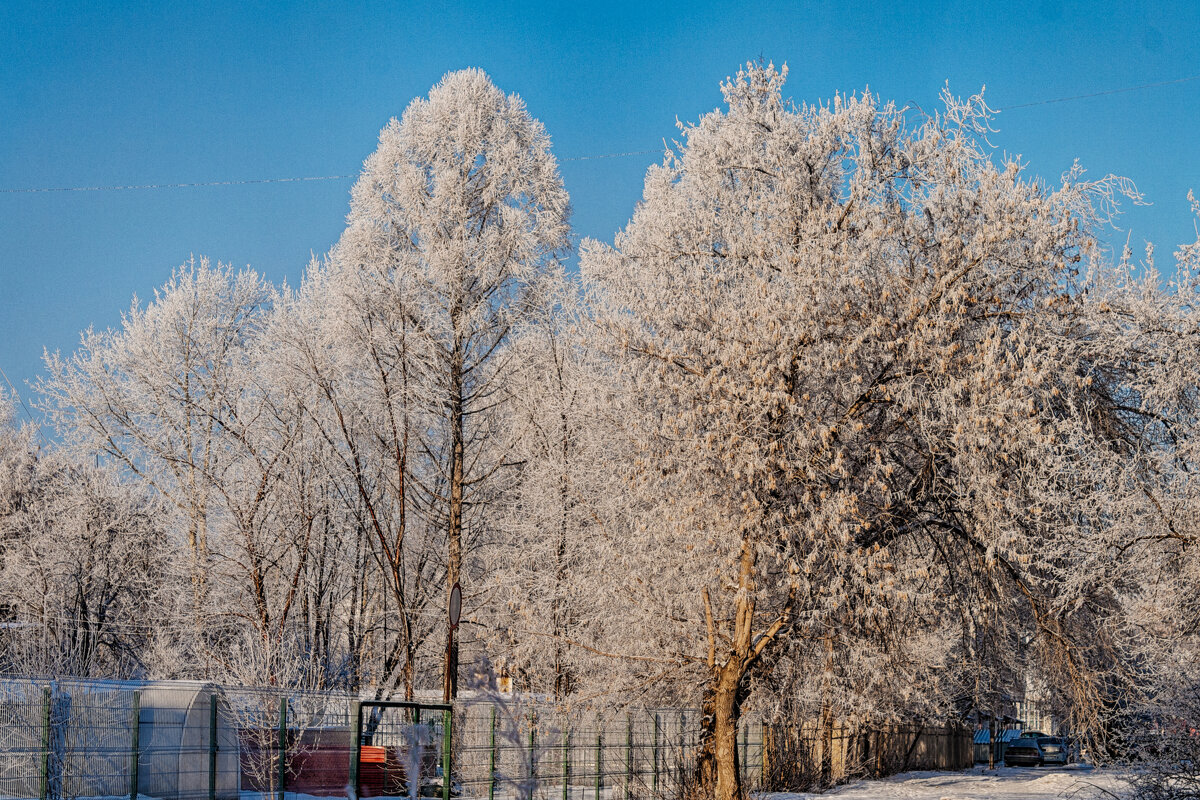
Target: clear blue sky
(130, 93)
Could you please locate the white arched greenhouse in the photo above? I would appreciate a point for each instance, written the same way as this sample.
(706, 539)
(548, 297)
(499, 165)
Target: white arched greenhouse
(75, 739)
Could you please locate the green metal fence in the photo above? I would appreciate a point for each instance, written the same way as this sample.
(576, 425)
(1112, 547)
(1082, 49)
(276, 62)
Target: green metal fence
(520, 750)
(195, 741)
(98, 739)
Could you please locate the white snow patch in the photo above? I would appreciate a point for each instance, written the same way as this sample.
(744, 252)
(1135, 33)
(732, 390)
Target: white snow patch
(1074, 782)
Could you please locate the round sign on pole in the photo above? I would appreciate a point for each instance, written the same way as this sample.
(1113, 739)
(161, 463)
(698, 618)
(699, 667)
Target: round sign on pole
(455, 605)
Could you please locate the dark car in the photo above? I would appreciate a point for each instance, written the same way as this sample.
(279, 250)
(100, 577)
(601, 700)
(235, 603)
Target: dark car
(1023, 752)
(1054, 749)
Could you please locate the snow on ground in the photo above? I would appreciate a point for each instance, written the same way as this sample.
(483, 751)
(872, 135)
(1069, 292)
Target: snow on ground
(1074, 782)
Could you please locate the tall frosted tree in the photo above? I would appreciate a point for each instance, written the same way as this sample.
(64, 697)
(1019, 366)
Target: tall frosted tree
(157, 395)
(458, 213)
(873, 375)
(557, 423)
(345, 353)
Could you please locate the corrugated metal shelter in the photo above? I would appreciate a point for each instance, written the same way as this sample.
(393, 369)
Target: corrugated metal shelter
(983, 738)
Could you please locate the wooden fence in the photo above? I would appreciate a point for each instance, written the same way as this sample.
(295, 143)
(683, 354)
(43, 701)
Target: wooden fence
(809, 755)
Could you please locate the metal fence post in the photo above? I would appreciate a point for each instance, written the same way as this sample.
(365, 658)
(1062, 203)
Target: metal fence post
(212, 747)
(762, 754)
(599, 751)
(492, 760)
(654, 784)
(532, 755)
(355, 744)
(682, 747)
(447, 750)
(283, 705)
(135, 744)
(44, 761)
(628, 756)
(567, 763)
(745, 765)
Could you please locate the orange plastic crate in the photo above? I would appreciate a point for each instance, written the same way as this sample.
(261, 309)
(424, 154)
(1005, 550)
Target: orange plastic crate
(372, 754)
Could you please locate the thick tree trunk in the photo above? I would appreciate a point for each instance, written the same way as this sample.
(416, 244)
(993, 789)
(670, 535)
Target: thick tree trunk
(717, 765)
(717, 769)
(826, 745)
(825, 762)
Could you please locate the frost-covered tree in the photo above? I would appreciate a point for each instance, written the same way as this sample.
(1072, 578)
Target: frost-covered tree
(80, 562)
(1154, 642)
(18, 458)
(344, 353)
(555, 424)
(873, 374)
(457, 213)
(262, 520)
(154, 395)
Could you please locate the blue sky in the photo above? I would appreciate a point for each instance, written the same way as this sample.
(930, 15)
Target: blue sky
(132, 93)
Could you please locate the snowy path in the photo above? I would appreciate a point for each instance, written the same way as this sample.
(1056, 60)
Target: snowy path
(1005, 783)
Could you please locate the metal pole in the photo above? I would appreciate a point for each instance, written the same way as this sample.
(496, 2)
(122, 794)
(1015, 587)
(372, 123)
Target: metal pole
(762, 754)
(654, 784)
(532, 755)
(134, 745)
(492, 760)
(447, 750)
(212, 747)
(44, 761)
(567, 764)
(599, 762)
(283, 704)
(745, 765)
(682, 745)
(446, 676)
(355, 744)
(453, 612)
(628, 756)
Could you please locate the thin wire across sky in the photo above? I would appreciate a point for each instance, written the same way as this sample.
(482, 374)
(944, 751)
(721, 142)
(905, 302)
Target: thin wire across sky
(249, 181)
(596, 157)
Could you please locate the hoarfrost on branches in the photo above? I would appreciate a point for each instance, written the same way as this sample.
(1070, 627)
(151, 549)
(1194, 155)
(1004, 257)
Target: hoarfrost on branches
(456, 219)
(853, 422)
(880, 384)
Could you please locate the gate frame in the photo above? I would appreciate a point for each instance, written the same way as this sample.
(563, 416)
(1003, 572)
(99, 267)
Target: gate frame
(416, 707)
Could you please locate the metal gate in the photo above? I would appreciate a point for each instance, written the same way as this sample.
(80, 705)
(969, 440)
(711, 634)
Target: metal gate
(401, 749)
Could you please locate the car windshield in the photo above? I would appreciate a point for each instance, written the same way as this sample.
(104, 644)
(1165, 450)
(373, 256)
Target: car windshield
(1048, 740)
(1024, 743)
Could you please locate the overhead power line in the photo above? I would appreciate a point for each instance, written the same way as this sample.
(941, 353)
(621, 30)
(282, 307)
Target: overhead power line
(248, 181)
(17, 395)
(173, 185)
(1100, 94)
(612, 155)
